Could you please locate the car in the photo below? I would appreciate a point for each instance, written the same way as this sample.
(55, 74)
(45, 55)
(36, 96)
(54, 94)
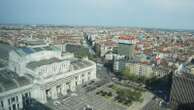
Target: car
(100, 65)
(87, 107)
(98, 85)
(73, 94)
(160, 91)
(114, 78)
(91, 82)
(85, 85)
(56, 103)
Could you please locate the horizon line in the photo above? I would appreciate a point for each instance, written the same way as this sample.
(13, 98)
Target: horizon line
(90, 25)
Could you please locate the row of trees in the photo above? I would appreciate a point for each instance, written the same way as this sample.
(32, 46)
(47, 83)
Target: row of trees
(126, 96)
(131, 76)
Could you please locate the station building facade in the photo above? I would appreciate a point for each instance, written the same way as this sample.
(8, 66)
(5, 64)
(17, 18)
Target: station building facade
(41, 74)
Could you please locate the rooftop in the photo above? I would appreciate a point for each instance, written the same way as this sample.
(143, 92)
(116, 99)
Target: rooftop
(26, 50)
(78, 64)
(4, 50)
(34, 64)
(126, 37)
(34, 42)
(10, 80)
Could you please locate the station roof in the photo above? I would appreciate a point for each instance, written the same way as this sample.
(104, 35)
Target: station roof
(79, 64)
(34, 42)
(34, 64)
(10, 80)
(27, 50)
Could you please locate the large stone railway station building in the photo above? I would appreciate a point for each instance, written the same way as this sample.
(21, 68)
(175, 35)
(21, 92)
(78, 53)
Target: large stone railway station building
(41, 73)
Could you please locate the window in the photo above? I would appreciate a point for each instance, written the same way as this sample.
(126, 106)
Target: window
(16, 98)
(2, 105)
(23, 97)
(18, 106)
(14, 107)
(9, 102)
(67, 83)
(89, 73)
(26, 95)
(83, 81)
(76, 83)
(26, 98)
(29, 94)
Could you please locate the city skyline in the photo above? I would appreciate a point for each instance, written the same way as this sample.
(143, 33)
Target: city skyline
(52, 67)
(174, 14)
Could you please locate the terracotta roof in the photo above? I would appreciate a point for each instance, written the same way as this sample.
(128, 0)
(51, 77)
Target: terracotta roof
(126, 37)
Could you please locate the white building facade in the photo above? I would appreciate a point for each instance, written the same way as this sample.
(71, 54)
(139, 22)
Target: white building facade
(141, 69)
(41, 74)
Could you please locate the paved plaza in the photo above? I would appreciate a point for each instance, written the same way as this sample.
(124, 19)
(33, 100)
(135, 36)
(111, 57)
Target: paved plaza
(79, 100)
(86, 95)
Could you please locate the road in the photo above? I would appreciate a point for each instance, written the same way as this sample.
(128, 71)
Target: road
(89, 47)
(103, 74)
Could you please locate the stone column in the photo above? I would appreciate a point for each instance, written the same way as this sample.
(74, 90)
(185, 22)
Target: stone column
(72, 85)
(86, 76)
(93, 74)
(79, 79)
(43, 96)
(63, 87)
(54, 92)
(39, 94)
(5, 102)
(20, 101)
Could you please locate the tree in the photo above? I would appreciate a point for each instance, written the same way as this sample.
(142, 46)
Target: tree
(83, 52)
(126, 73)
(131, 76)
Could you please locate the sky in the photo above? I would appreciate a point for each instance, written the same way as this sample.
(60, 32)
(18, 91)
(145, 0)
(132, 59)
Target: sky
(172, 14)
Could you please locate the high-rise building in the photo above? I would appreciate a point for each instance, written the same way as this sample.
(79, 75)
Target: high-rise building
(182, 90)
(119, 65)
(126, 46)
(126, 49)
